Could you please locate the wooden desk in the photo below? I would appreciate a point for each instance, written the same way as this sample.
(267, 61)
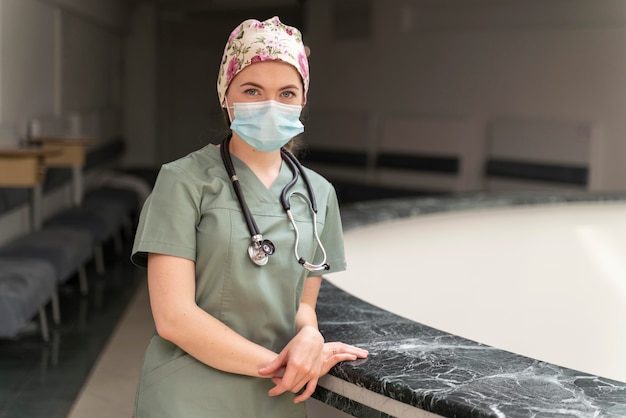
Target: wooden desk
(26, 168)
(73, 150)
(72, 155)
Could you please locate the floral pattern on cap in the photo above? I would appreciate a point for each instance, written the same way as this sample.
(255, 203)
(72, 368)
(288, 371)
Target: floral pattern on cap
(254, 41)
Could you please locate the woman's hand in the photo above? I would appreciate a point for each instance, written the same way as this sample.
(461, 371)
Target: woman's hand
(332, 353)
(337, 352)
(298, 365)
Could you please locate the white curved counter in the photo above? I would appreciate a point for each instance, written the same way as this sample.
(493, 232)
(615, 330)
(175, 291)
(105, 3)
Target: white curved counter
(502, 310)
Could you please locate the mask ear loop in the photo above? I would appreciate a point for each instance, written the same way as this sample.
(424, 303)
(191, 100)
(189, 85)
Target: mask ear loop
(230, 118)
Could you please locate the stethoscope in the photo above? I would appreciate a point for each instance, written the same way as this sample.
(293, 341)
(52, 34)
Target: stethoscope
(260, 249)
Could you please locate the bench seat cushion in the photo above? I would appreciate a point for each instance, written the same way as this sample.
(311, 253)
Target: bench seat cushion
(65, 249)
(106, 195)
(100, 219)
(26, 285)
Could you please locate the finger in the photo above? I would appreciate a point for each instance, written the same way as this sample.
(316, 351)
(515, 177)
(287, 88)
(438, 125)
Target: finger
(272, 368)
(279, 389)
(292, 381)
(345, 348)
(285, 385)
(333, 360)
(310, 388)
(276, 380)
(344, 357)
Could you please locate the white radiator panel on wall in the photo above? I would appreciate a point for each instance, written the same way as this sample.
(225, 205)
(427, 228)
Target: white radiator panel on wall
(49, 126)
(424, 136)
(451, 140)
(340, 144)
(417, 152)
(547, 141)
(349, 130)
(563, 154)
(101, 124)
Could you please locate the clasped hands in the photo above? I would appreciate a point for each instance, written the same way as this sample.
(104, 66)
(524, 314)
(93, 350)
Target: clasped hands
(304, 360)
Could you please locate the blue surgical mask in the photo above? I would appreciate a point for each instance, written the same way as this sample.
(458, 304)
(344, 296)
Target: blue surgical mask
(266, 125)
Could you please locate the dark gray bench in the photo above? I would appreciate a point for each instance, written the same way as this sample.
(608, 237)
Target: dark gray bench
(26, 286)
(33, 265)
(105, 211)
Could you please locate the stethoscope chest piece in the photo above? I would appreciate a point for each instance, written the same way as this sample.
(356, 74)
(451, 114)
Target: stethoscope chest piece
(260, 250)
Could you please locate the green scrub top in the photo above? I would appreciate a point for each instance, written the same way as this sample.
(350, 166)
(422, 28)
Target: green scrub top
(193, 213)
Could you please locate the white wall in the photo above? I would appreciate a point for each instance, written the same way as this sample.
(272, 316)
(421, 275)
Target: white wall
(140, 98)
(91, 66)
(559, 60)
(57, 58)
(27, 60)
(111, 13)
(478, 60)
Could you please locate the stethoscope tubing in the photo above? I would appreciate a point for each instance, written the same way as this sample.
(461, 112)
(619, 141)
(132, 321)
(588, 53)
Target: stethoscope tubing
(306, 264)
(257, 250)
(296, 168)
(230, 169)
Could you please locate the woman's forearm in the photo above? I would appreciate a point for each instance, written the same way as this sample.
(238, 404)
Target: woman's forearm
(306, 315)
(179, 319)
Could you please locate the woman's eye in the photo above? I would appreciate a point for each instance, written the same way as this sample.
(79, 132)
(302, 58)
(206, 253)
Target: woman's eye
(252, 92)
(287, 94)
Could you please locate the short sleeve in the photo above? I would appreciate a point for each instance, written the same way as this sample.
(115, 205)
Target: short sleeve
(332, 238)
(168, 219)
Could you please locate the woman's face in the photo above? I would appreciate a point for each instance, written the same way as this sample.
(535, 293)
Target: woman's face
(267, 80)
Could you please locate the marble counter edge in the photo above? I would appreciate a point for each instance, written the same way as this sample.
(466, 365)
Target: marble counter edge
(445, 374)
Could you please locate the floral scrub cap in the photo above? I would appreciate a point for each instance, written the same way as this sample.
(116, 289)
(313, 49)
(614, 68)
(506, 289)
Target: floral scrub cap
(254, 41)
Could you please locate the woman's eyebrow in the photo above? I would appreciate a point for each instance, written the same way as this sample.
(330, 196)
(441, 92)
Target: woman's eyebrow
(290, 86)
(253, 84)
(250, 84)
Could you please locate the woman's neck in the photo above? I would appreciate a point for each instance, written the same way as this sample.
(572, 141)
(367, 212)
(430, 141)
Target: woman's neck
(265, 165)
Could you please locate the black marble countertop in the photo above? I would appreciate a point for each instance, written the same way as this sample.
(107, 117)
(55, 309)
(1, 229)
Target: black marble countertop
(443, 373)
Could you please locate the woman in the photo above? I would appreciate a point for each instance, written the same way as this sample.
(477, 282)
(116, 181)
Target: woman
(234, 312)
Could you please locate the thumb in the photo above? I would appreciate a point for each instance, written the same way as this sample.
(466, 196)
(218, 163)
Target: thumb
(272, 367)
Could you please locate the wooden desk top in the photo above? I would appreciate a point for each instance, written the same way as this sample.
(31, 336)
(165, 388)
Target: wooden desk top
(65, 140)
(26, 152)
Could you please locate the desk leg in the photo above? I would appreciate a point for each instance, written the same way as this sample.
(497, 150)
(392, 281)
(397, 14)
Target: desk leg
(36, 207)
(77, 185)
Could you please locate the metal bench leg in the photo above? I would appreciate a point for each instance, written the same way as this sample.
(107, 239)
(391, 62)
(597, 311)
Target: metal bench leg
(128, 227)
(99, 258)
(56, 311)
(118, 242)
(82, 279)
(43, 321)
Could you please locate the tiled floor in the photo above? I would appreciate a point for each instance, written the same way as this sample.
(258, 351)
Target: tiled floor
(39, 379)
(110, 390)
